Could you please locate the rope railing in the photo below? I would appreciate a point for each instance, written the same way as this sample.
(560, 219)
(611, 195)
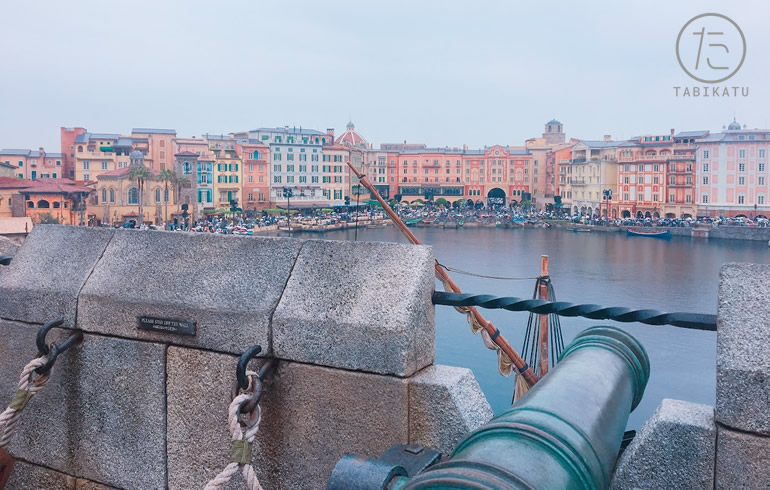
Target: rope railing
(696, 321)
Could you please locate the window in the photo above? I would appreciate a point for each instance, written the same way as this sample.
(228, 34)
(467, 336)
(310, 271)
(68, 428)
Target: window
(741, 180)
(705, 180)
(705, 198)
(86, 165)
(760, 199)
(741, 153)
(741, 167)
(157, 194)
(251, 197)
(761, 166)
(705, 153)
(687, 198)
(86, 177)
(761, 180)
(671, 180)
(761, 153)
(133, 196)
(165, 195)
(112, 195)
(104, 195)
(705, 167)
(740, 199)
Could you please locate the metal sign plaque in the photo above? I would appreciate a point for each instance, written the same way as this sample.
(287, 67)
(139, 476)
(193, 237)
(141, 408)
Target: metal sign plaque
(175, 326)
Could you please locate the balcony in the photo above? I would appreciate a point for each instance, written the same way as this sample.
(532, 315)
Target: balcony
(578, 160)
(578, 182)
(681, 186)
(680, 158)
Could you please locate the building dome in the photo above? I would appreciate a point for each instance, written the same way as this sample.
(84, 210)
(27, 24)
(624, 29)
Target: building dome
(136, 154)
(553, 121)
(351, 138)
(734, 125)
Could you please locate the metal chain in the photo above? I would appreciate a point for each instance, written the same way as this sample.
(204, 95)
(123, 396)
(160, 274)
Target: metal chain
(696, 321)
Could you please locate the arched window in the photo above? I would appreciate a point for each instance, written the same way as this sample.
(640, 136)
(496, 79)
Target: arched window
(43, 204)
(133, 196)
(112, 194)
(162, 144)
(165, 195)
(56, 205)
(104, 194)
(80, 148)
(157, 194)
(30, 204)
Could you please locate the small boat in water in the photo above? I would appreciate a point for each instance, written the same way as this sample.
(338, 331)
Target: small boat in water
(651, 233)
(579, 230)
(414, 221)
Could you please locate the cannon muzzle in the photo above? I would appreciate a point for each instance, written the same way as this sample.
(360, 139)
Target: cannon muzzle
(564, 433)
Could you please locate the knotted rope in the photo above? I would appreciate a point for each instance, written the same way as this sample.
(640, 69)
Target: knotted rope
(28, 387)
(242, 434)
(504, 363)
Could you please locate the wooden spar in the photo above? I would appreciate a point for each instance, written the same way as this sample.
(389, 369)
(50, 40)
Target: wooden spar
(543, 358)
(529, 375)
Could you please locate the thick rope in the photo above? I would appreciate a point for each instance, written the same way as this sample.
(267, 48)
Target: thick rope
(241, 438)
(504, 363)
(26, 390)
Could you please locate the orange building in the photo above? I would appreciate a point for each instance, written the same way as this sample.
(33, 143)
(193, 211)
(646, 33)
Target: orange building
(31, 164)
(42, 199)
(256, 175)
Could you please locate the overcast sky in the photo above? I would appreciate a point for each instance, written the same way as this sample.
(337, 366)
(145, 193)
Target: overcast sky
(440, 72)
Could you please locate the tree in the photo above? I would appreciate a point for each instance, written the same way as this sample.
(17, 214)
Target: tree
(141, 175)
(441, 202)
(180, 182)
(166, 176)
(48, 219)
(525, 204)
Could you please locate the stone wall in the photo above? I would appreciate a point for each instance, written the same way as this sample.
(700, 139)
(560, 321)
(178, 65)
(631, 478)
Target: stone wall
(686, 445)
(133, 408)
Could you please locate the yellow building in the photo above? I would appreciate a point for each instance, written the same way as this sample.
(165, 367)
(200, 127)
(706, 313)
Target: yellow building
(594, 168)
(228, 170)
(97, 153)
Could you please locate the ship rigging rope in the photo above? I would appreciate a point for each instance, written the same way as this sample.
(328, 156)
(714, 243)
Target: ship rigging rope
(484, 276)
(242, 435)
(28, 387)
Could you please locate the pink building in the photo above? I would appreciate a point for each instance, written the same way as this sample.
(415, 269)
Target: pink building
(34, 164)
(68, 136)
(731, 173)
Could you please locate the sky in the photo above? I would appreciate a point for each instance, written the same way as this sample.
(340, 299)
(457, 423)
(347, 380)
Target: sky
(444, 73)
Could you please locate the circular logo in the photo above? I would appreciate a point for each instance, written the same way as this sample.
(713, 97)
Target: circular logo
(711, 48)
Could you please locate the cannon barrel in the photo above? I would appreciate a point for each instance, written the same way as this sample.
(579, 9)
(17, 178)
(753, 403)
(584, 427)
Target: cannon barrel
(564, 433)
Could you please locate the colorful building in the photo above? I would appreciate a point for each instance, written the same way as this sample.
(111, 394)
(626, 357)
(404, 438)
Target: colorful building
(680, 176)
(34, 164)
(256, 175)
(594, 170)
(44, 199)
(732, 174)
(642, 168)
(67, 138)
(295, 164)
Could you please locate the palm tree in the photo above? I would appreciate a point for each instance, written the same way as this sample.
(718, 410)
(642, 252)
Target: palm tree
(166, 176)
(140, 175)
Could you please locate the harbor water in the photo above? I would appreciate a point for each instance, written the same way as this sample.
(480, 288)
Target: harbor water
(609, 269)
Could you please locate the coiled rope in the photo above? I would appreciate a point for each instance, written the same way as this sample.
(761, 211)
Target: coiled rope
(29, 385)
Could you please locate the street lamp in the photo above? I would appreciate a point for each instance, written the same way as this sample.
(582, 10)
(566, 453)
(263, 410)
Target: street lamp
(607, 199)
(287, 193)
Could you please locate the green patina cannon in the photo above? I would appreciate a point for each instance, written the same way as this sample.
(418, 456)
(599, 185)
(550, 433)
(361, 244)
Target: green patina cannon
(565, 433)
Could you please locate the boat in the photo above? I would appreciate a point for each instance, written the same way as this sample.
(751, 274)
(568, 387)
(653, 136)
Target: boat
(412, 222)
(372, 226)
(578, 230)
(652, 234)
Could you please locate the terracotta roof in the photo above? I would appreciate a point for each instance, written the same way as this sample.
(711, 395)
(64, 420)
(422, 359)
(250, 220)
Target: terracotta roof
(13, 183)
(351, 138)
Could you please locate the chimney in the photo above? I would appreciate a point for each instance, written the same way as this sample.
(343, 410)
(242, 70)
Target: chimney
(607, 137)
(330, 132)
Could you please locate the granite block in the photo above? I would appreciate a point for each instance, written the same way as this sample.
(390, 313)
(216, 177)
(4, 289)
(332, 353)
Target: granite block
(674, 449)
(228, 285)
(445, 405)
(743, 460)
(100, 417)
(361, 306)
(312, 416)
(28, 476)
(47, 273)
(743, 356)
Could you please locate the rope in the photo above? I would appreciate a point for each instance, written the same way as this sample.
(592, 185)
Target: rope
(697, 321)
(484, 276)
(242, 436)
(504, 364)
(26, 390)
